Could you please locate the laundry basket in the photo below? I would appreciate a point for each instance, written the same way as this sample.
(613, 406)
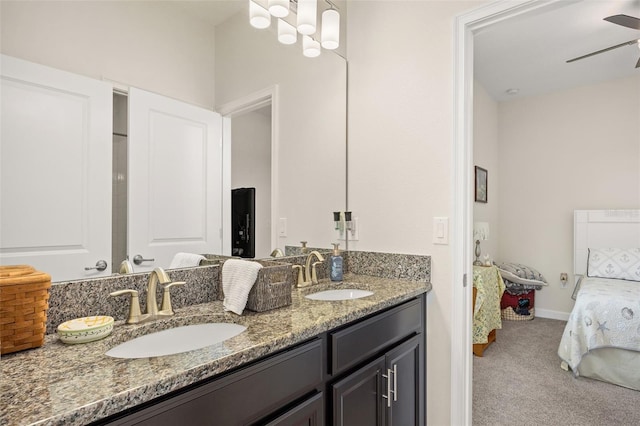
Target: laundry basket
(24, 297)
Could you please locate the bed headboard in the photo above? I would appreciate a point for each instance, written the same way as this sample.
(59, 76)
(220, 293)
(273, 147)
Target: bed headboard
(602, 229)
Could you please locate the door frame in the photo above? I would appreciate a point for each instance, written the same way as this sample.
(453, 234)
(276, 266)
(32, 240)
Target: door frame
(248, 103)
(465, 26)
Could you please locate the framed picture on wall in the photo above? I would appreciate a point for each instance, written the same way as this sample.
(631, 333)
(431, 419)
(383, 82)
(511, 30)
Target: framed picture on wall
(481, 185)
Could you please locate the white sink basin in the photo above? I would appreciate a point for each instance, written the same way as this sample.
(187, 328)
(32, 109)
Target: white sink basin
(341, 294)
(176, 340)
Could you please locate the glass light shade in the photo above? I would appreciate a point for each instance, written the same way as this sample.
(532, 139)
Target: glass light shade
(310, 47)
(330, 29)
(307, 16)
(278, 8)
(259, 17)
(286, 32)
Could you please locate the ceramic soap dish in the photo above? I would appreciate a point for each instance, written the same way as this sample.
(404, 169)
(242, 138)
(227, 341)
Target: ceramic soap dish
(86, 329)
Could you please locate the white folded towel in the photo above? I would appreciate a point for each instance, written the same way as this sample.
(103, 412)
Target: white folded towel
(238, 277)
(186, 260)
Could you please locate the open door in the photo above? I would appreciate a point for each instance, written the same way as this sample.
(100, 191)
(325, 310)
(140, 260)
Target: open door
(175, 180)
(55, 171)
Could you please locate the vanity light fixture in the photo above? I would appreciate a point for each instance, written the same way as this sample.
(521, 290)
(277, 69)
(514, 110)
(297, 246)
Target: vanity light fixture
(259, 17)
(287, 33)
(299, 16)
(310, 47)
(307, 16)
(330, 36)
(278, 8)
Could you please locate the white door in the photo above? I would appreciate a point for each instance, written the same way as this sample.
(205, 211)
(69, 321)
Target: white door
(175, 179)
(55, 162)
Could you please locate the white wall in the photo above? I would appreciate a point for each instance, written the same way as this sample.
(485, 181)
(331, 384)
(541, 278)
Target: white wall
(150, 45)
(311, 127)
(400, 151)
(251, 168)
(573, 149)
(485, 155)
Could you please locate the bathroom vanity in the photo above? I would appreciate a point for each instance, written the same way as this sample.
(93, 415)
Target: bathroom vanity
(314, 362)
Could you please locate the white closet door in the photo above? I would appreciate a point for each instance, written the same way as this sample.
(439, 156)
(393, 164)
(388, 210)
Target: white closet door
(55, 162)
(175, 179)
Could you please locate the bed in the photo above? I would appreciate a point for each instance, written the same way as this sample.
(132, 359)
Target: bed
(602, 337)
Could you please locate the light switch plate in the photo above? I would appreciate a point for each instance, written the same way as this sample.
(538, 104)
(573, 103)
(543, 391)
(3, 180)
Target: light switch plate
(282, 227)
(440, 230)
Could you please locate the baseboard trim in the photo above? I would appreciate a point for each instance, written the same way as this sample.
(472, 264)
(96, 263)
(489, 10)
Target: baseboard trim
(547, 313)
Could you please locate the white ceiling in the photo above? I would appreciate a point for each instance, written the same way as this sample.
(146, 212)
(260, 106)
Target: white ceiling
(529, 52)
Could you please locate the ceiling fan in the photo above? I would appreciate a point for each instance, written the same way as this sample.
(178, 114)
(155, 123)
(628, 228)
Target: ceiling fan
(625, 21)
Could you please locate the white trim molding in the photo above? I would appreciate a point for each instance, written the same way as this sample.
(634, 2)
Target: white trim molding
(234, 108)
(465, 26)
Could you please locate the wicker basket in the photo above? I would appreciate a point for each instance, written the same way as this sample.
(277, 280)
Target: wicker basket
(24, 295)
(272, 288)
(510, 315)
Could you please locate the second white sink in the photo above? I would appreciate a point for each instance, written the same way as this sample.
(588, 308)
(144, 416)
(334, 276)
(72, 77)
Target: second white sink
(341, 294)
(176, 340)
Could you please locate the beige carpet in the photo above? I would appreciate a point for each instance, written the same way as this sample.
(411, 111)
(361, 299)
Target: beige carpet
(518, 382)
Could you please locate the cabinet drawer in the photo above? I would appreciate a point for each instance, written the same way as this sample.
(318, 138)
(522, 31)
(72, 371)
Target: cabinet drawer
(243, 396)
(362, 340)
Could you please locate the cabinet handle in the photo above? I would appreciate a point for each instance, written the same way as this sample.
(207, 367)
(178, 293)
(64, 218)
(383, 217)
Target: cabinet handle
(395, 382)
(389, 391)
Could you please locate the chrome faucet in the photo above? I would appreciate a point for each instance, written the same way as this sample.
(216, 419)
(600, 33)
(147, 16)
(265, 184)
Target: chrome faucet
(158, 275)
(310, 276)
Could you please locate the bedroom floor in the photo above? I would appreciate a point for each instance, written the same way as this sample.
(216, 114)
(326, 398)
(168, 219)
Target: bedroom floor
(519, 381)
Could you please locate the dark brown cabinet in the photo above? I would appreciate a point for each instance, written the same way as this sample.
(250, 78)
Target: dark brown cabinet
(369, 372)
(307, 413)
(386, 391)
(357, 399)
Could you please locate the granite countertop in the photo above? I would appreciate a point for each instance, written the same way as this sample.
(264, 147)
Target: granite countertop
(78, 384)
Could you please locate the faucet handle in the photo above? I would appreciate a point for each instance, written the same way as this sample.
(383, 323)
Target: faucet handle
(314, 275)
(165, 307)
(300, 279)
(135, 315)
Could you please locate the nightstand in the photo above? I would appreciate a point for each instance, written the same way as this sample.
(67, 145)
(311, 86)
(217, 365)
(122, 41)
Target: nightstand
(487, 292)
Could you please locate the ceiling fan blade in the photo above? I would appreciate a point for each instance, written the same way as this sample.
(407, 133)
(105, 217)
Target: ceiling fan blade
(638, 63)
(625, 21)
(628, 43)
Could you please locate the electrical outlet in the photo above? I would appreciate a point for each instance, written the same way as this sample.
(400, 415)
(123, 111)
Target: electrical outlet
(564, 277)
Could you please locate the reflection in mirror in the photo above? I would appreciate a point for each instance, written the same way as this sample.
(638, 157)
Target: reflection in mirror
(165, 47)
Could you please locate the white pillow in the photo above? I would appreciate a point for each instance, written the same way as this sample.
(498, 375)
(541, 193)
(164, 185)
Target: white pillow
(621, 264)
(521, 274)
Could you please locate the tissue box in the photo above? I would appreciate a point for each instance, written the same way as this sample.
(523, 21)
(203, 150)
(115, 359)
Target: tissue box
(24, 300)
(272, 288)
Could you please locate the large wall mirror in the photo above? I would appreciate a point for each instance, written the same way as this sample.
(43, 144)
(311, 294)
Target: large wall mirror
(286, 113)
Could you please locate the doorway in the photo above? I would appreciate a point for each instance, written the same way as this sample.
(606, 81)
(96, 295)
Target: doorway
(250, 145)
(465, 27)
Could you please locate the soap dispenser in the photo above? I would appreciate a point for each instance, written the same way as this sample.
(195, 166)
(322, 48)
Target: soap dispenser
(336, 264)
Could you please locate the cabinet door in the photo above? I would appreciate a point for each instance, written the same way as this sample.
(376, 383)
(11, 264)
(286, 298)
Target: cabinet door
(357, 399)
(406, 361)
(308, 413)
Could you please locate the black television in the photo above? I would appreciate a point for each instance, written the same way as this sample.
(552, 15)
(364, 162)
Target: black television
(243, 228)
